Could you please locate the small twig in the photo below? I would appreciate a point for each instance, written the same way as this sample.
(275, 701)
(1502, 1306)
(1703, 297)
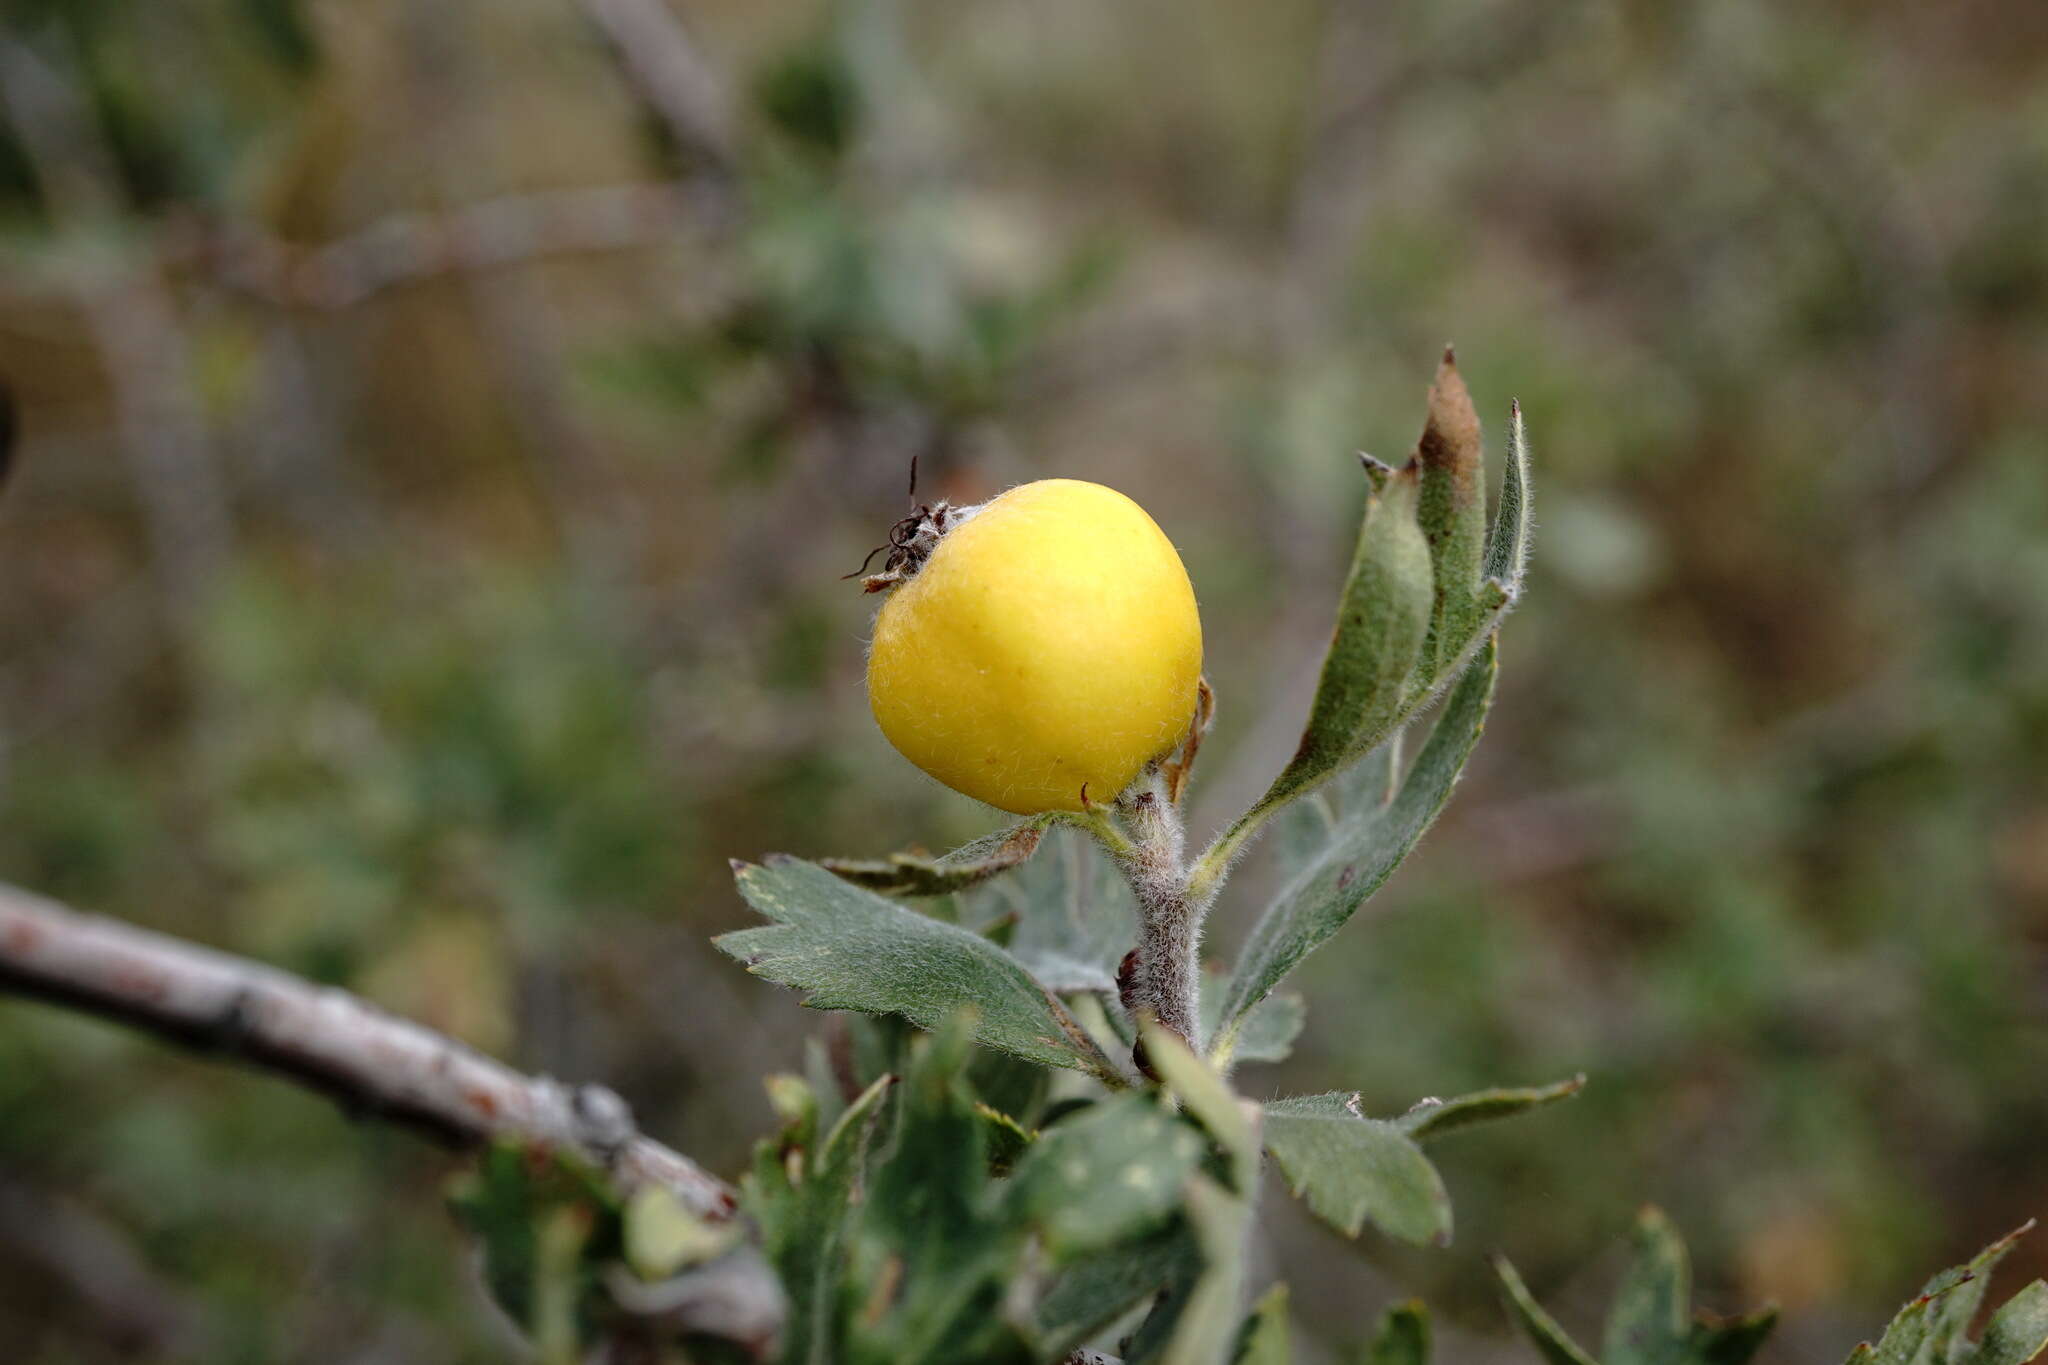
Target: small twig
(371, 1062)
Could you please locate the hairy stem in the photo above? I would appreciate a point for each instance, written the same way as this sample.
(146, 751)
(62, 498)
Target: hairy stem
(1161, 977)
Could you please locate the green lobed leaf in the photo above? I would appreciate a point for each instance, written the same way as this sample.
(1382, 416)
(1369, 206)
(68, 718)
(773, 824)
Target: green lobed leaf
(1648, 1322)
(1382, 619)
(1351, 1169)
(1367, 848)
(851, 949)
(912, 874)
(1402, 1337)
(1263, 1341)
(1452, 512)
(2018, 1331)
(1111, 1174)
(1552, 1342)
(1433, 1119)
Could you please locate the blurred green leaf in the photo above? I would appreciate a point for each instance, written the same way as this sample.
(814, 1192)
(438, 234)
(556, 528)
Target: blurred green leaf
(850, 949)
(1207, 1100)
(546, 1224)
(1730, 1341)
(1267, 1034)
(1647, 1324)
(1363, 852)
(1205, 1325)
(2018, 1331)
(1264, 1339)
(1552, 1342)
(1107, 1176)
(1434, 1118)
(1402, 1337)
(1086, 1296)
(803, 1218)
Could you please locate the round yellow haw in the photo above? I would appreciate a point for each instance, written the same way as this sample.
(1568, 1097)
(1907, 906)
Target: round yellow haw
(1036, 651)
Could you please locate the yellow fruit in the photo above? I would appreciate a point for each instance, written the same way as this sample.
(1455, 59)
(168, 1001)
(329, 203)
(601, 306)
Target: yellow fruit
(1049, 642)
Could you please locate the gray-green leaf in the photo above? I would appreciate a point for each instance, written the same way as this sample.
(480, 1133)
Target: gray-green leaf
(1364, 852)
(913, 874)
(1507, 546)
(1434, 1118)
(1552, 1342)
(2018, 1331)
(853, 950)
(1351, 1169)
(1381, 621)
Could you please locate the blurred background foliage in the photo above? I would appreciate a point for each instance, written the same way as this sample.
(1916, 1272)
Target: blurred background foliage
(444, 426)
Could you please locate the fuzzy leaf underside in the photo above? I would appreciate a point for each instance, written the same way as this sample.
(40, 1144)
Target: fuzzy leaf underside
(1352, 1170)
(1364, 850)
(850, 949)
(1507, 545)
(1433, 1120)
(1075, 915)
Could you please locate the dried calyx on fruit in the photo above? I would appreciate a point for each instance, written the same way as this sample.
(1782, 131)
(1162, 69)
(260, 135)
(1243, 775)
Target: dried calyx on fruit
(1037, 650)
